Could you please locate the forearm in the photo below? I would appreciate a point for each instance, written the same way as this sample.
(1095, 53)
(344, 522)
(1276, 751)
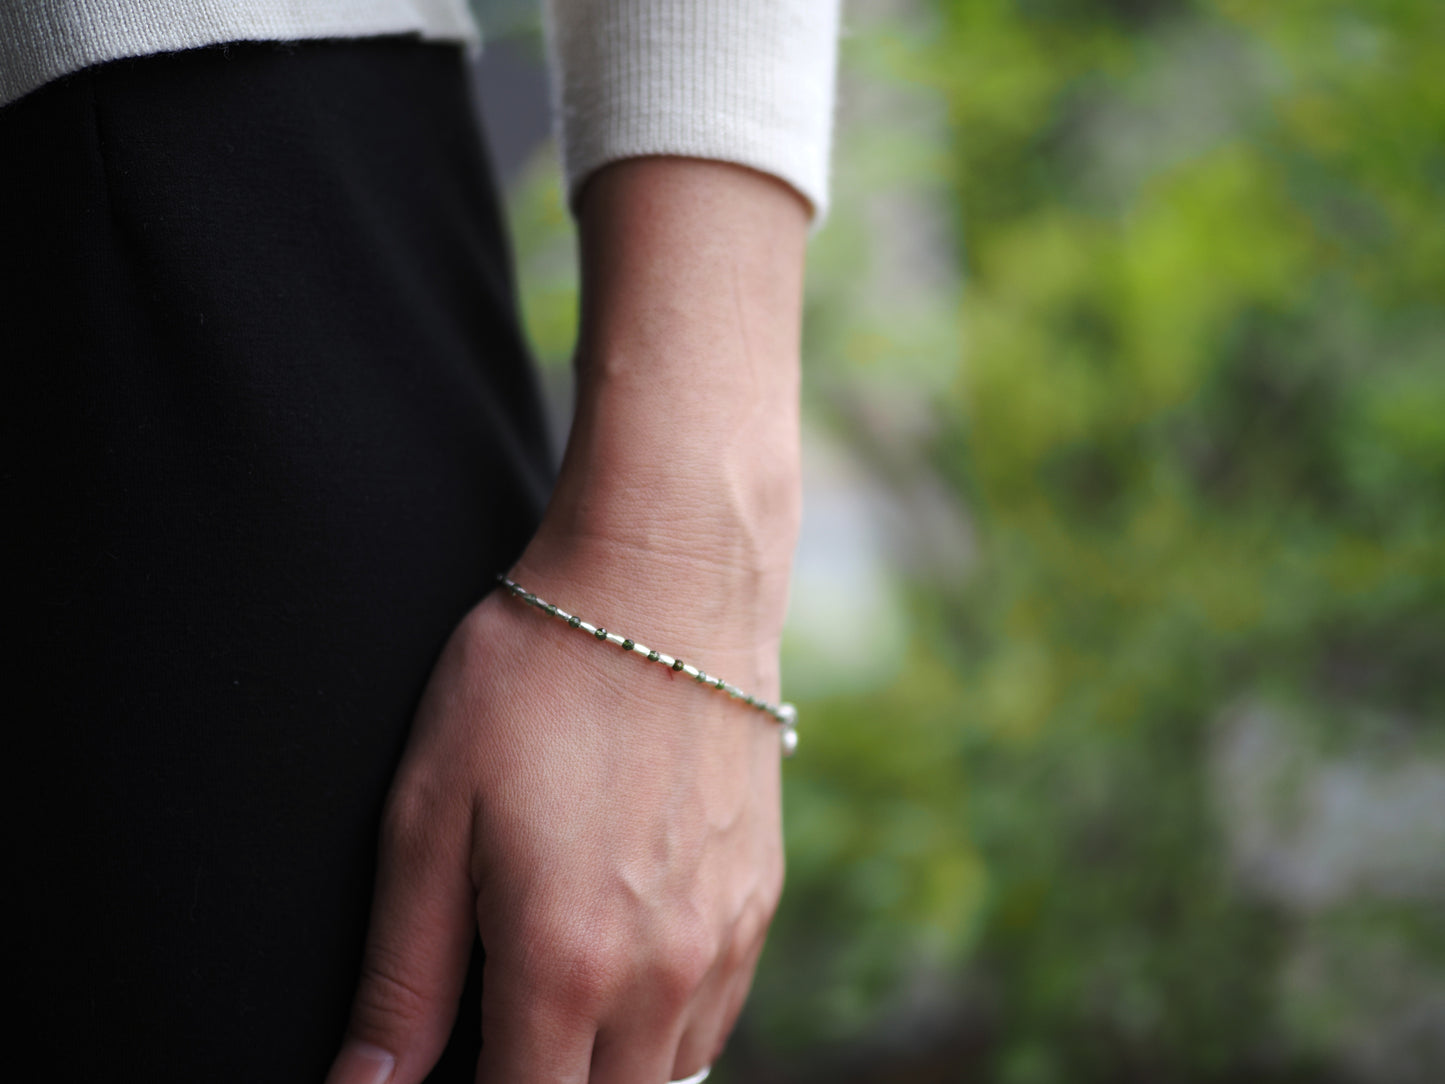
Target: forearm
(681, 478)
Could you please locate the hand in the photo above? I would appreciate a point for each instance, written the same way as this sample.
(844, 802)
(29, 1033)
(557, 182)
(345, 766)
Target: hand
(611, 829)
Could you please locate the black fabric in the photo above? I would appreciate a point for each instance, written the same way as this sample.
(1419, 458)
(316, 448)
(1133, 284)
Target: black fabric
(270, 430)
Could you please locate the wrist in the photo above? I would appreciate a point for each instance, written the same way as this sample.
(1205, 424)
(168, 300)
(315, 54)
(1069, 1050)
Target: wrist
(679, 497)
(677, 470)
(689, 540)
(666, 604)
(697, 556)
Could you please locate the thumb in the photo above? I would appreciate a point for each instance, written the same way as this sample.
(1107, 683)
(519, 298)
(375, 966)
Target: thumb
(417, 947)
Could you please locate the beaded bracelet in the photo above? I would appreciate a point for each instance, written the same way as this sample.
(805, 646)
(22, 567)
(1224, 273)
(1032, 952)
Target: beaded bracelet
(785, 714)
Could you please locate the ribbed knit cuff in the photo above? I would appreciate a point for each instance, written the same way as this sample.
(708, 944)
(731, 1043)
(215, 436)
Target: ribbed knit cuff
(744, 81)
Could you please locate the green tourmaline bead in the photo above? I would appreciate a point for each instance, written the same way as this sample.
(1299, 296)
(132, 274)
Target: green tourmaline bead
(601, 634)
(677, 664)
(573, 621)
(652, 656)
(720, 683)
(552, 608)
(628, 645)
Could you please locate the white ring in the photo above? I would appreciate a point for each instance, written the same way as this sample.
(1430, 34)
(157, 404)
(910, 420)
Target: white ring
(696, 1078)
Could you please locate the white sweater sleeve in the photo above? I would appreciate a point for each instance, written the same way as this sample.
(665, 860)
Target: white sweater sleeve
(745, 81)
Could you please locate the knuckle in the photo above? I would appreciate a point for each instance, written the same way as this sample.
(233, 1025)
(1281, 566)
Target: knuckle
(586, 983)
(388, 1003)
(748, 933)
(750, 930)
(761, 917)
(582, 974)
(736, 954)
(685, 962)
(585, 971)
(773, 885)
(413, 821)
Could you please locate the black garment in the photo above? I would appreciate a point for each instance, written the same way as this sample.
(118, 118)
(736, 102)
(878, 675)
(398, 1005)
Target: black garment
(271, 429)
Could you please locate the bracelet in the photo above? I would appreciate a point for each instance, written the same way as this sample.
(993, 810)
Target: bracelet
(785, 714)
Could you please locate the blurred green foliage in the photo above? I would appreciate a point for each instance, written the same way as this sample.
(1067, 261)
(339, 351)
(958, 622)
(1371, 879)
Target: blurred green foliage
(1185, 377)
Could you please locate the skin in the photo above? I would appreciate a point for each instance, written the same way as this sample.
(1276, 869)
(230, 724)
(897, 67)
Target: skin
(611, 829)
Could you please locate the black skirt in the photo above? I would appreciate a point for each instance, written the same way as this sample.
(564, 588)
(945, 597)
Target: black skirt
(270, 430)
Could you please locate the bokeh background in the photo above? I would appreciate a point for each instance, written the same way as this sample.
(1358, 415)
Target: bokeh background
(1118, 630)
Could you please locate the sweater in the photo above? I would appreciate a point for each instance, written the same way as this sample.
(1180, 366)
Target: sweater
(744, 81)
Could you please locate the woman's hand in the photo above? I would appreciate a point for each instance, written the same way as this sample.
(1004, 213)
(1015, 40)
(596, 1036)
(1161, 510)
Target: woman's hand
(611, 829)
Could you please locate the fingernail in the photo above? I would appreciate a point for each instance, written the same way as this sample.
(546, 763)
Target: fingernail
(361, 1063)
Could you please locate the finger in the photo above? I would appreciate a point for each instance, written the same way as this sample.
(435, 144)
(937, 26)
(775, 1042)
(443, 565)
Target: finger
(696, 1046)
(715, 1012)
(737, 1000)
(526, 1040)
(638, 1038)
(640, 1052)
(417, 947)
